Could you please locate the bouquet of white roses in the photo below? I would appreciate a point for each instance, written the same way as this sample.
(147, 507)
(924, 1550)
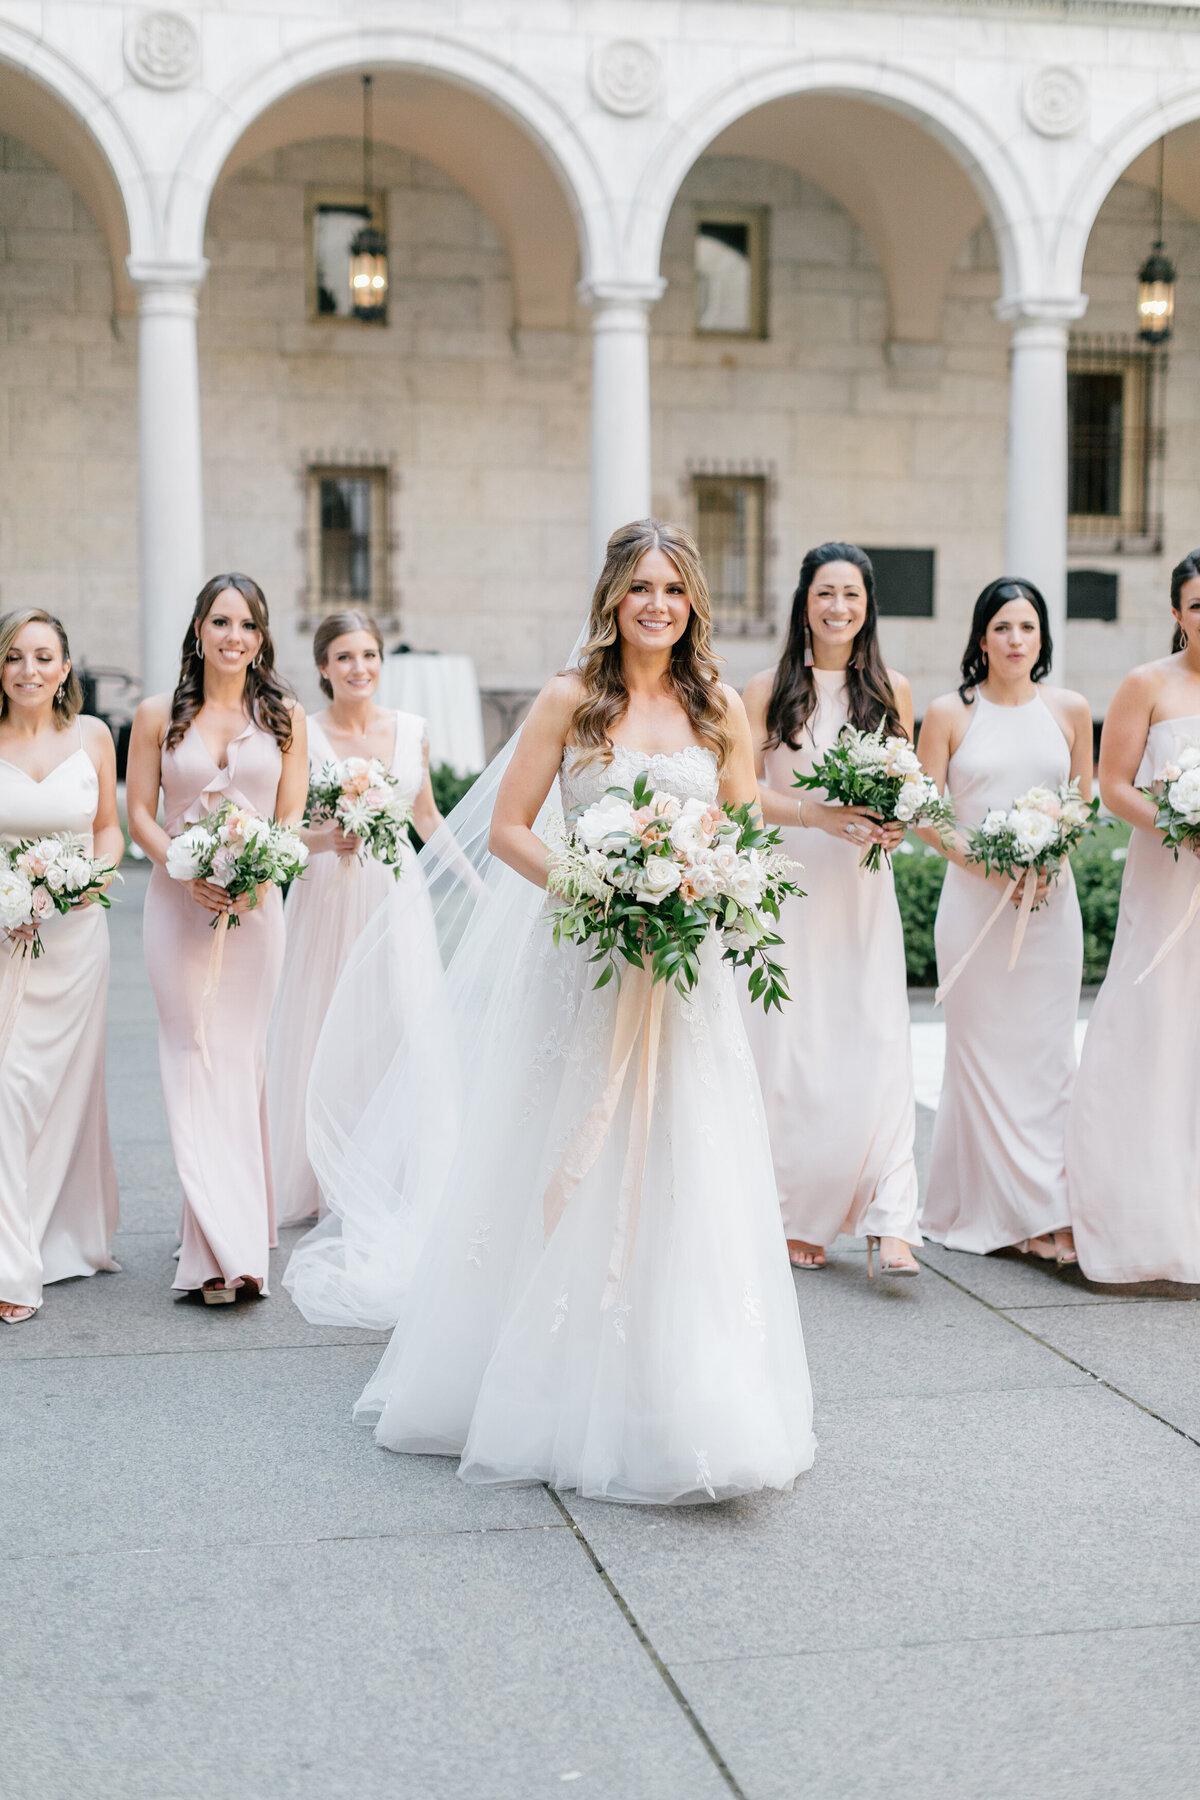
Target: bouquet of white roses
(49, 874)
(643, 876)
(1035, 835)
(865, 768)
(365, 801)
(1037, 832)
(237, 850)
(1176, 794)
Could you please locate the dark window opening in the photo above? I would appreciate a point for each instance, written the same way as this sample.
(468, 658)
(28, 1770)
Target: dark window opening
(903, 583)
(1092, 594)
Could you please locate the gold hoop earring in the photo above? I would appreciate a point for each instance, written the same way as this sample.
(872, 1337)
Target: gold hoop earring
(1184, 639)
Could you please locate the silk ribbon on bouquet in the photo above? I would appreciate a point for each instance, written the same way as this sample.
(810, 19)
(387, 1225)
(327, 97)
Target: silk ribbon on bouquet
(1028, 896)
(212, 980)
(1169, 945)
(639, 1015)
(13, 988)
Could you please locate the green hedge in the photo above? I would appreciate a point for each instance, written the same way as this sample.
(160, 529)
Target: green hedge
(1098, 865)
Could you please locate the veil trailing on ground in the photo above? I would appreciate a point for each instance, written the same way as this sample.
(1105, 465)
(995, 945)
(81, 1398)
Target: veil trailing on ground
(391, 1077)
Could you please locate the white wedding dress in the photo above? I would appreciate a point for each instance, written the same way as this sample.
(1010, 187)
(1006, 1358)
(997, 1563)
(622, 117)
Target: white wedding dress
(685, 1378)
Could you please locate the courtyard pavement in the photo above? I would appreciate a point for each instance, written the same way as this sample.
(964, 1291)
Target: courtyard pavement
(987, 1588)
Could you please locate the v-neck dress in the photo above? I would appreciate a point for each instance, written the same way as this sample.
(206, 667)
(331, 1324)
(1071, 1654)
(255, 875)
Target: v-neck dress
(217, 1116)
(58, 1182)
(324, 915)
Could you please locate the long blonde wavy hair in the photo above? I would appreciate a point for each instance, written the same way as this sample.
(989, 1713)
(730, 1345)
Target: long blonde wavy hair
(693, 674)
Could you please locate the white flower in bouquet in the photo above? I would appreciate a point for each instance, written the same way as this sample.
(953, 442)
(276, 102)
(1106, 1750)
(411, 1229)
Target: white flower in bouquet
(16, 898)
(693, 829)
(43, 904)
(883, 775)
(901, 759)
(994, 823)
(1184, 795)
(912, 800)
(55, 877)
(356, 816)
(869, 751)
(187, 854)
(79, 873)
(658, 877)
(1033, 833)
(1189, 756)
(607, 824)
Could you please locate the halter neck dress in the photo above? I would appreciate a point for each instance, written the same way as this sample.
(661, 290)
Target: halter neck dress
(58, 1182)
(324, 914)
(997, 1172)
(217, 1116)
(1133, 1135)
(836, 1063)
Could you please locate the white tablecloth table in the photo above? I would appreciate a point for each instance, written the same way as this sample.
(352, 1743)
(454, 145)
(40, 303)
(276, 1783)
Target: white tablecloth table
(444, 690)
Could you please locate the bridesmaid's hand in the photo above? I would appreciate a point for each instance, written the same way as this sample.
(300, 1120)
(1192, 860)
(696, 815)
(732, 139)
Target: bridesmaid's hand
(1044, 884)
(853, 824)
(207, 894)
(890, 834)
(247, 902)
(21, 934)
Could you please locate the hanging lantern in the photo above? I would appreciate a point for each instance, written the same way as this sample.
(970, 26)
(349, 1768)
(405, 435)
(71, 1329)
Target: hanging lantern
(1156, 277)
(368, 248)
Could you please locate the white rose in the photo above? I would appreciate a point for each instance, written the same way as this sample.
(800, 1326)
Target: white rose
(1038, 800)
(665, 806)
(1189, 756)
(724, 862)
(911, 799)
(1184, 795)
(657, 878)
(689, 833)
(605, 824)
(1074, 813)
(746, 886)
(79, 873)
(702, 878)
(16, 899)
(994, 824)
(1034, 833)
(50, 850)
(186, 854)
(55, 878)
(902, 758)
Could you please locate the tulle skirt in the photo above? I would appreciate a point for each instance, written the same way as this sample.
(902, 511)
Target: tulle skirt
(648, 1346)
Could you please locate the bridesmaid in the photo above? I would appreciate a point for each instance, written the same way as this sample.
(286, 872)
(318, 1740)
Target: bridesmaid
(58, 1184)
(836, 1067)
(230, 731)
(326, 911)
(1133, 1133)
(997, 1174)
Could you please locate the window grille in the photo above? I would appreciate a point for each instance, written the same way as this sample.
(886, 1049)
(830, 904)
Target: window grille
(348, 541)
(730, 513)
(1115, 444)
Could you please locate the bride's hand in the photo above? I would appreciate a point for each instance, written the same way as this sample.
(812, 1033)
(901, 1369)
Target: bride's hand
(328, 838)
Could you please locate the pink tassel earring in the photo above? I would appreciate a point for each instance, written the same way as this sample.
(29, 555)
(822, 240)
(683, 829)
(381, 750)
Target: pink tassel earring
(808, 655)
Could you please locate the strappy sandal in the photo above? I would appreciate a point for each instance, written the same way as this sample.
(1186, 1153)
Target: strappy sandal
(17, 1315)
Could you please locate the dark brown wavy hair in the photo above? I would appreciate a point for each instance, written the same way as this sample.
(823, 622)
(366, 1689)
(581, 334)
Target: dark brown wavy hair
(693, 674)
(868, 690)
(267, 695)
(1181, 574)
(336, 625)
(68, 701)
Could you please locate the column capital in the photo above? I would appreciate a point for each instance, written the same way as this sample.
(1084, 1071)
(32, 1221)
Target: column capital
(166, 285)
(613, 296)
(1041, 309)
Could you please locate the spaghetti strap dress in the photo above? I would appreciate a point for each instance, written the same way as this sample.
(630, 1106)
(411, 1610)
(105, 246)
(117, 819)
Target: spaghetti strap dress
(217, 1116)
(323, 916)
(58, 1181)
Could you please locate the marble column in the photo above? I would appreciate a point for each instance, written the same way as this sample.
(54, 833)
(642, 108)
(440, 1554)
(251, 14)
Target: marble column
(620, 406)
(171, 567)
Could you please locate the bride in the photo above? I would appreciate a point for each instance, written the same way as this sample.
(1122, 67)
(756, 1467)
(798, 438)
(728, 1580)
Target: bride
(512, 1351)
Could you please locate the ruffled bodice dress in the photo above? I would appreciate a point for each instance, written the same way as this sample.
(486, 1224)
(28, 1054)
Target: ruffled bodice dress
(997, 1172)
(324, 914)
(1133, 1132)
(217, 1116)
(645, 1344)
(58, 1182)
(836, 1064)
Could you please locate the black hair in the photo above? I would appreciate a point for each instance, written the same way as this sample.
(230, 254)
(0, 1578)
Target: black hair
(1181, 574)
(995, 595)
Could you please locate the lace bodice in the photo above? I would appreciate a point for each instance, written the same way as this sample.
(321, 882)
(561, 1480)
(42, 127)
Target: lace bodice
(689, 774)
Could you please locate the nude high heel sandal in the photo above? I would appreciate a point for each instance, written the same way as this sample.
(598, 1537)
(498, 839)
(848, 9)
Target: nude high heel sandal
(892, 1267)
(215, 1293)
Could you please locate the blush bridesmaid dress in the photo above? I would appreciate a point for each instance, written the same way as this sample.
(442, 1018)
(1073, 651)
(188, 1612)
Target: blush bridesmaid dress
(997, 1173)
(217, 1116)
(1133, 1133)
(58, 1182)
(836, 1064)
(324, 915)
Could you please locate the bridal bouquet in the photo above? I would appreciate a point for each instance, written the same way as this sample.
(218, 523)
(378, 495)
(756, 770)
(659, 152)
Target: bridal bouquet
(865, 768)
(1176, 794)
(1036, 834)
(236, 850)
(365, 801)
(50, 874)
(644, 876)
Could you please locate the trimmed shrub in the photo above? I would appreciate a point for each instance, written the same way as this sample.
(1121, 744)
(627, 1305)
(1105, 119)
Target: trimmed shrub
(919, 873)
